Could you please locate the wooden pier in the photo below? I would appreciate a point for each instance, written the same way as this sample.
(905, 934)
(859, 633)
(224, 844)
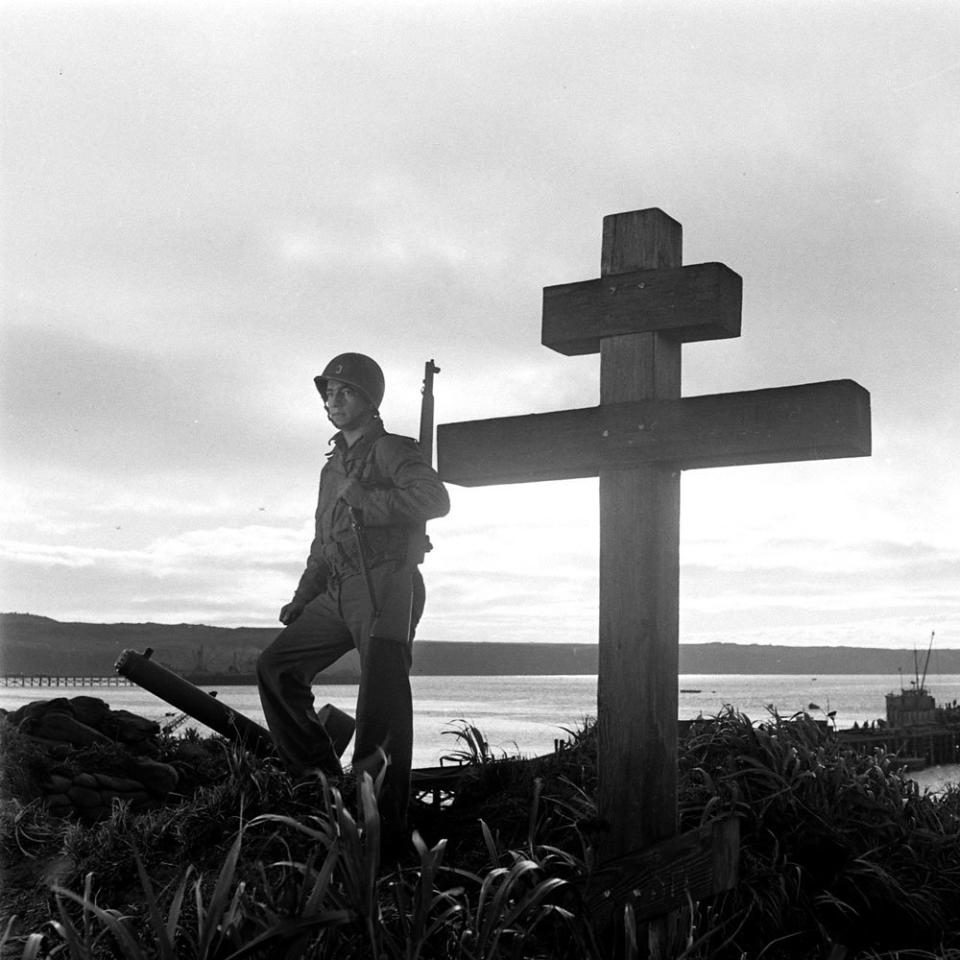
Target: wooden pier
(57, 680)
(921, 746)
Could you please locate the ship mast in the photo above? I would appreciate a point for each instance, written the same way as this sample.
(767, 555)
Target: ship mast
(926, 662)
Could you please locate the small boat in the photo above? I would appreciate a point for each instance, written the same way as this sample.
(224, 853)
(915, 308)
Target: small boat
(689, 690)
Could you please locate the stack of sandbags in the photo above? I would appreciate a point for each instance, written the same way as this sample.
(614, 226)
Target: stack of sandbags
(81, 721)
(109, 746)
(90, 796)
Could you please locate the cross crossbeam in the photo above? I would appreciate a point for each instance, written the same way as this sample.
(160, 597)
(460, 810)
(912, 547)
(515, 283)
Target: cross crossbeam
(699, 302)
(807, 422)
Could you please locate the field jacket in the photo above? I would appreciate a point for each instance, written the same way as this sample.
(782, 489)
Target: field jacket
(401, 491)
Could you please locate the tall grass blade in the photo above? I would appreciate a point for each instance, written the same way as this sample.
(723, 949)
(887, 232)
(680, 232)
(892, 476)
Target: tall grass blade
(631, 945)
(498, 917)
(321, 885)
(209, 919)
(534, 814)
(74, 939)
(110, 920)
(31, 949)
(490, 844)
(290, 928)
(371, 836)
(165, 932)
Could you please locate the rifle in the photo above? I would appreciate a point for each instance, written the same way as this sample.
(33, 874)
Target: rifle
(420, 544)
(426, 411)
(426, 440)
(356, 522)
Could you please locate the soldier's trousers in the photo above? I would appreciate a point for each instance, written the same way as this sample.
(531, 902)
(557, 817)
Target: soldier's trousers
(339, 620)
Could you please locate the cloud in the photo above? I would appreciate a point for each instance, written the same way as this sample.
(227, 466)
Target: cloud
(236, 575)
(71, 403)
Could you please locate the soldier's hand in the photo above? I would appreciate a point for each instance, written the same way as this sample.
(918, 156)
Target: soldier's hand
(351, 492)
(290, 612)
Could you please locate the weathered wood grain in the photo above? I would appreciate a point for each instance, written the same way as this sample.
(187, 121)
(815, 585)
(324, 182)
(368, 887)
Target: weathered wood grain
(812, 421)
(638, 649)
(699, 302)
(699, 864)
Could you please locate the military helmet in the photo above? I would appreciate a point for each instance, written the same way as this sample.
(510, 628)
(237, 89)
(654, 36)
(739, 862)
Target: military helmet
(356, 370)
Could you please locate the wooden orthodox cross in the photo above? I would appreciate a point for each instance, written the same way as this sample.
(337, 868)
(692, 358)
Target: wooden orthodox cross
(637, 315)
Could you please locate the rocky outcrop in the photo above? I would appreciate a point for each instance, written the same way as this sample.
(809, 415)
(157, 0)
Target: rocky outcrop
(94, 757)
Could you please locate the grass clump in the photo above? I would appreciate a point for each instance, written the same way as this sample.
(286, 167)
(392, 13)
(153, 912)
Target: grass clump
(837, 847)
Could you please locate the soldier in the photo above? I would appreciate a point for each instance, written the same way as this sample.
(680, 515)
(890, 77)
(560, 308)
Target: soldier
(361, 589)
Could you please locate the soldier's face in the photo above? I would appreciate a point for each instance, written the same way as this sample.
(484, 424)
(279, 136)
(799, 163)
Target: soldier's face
(347, 407)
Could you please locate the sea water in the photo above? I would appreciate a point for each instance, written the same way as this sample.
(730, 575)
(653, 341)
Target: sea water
(526, 714)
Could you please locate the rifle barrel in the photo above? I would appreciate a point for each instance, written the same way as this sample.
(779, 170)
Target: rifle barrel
(426, 411)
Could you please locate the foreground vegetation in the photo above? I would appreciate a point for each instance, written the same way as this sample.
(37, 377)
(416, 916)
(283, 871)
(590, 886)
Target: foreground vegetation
(841, 857)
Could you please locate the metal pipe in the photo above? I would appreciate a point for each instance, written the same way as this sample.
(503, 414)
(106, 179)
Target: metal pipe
(183, 695)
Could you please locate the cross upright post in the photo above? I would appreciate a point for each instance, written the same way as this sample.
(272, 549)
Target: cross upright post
(639, 566)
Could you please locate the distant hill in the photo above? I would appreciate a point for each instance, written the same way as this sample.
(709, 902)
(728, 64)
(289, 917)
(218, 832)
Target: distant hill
(38, 645)
(32, 644)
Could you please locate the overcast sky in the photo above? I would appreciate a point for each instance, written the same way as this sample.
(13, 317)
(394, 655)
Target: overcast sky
(202, 203)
